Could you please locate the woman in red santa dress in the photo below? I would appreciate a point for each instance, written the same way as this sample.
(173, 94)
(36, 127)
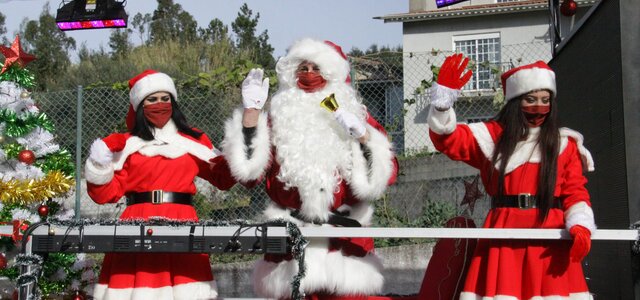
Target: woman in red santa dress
(154, 166)
(322, 168)
(534, 172)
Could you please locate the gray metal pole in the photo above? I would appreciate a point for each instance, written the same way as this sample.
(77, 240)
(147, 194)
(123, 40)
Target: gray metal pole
(78, 149)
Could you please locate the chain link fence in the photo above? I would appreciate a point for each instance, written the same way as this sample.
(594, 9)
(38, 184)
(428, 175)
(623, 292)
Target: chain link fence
(393, 86)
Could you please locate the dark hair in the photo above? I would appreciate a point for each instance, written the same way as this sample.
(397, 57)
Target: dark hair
(515, 129)
(142, 128)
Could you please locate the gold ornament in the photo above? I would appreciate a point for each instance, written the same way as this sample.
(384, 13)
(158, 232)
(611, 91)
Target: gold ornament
(24, 192)
(330, 103)
(25, 95)
(2, 139)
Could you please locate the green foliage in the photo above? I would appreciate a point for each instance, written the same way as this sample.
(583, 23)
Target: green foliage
(43, 39)
(433, 214)
(119, 42)
(258, 47)
(171, 23)
(3, 29)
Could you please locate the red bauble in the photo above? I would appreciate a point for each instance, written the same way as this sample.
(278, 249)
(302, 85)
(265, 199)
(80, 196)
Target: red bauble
(3, 261)
(43, 210)
(78, 297)
(568, 8)
(27, 157)
(149, 231)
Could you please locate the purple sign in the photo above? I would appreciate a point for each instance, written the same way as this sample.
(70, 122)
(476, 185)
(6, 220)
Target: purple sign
(443, 3)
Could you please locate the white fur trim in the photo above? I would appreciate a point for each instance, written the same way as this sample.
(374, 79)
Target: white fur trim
(370, 184)
(234, 149)
(98, 174)
(443, 97)
(152, 83)
(188, 291)
(527, 80)
(167, 142)
(587, 160)
(527, 151)
(573, 296)
(580, 214)
(100, 153)
(333, 67)
(441, 122)
(326, 271)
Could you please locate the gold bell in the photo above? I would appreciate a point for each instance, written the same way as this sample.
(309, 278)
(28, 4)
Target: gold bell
(330, 103)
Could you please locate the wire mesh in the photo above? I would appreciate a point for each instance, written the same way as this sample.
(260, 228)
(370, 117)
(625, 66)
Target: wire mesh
(395, 89)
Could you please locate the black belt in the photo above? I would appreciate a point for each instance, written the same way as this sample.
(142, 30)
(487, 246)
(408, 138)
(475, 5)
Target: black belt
(522, 201)
(159, 197)
(334, 219)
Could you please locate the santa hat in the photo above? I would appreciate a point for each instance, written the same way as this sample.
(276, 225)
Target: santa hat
(524, 79)
(143, 85)
(329, 57)
(147, 83)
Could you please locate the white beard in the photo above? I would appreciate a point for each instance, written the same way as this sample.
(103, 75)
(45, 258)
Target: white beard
(313, 150)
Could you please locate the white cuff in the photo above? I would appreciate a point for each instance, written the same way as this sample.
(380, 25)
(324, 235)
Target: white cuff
(242, 167)
(100, 153)
(443, 97)
(369, 181)
(442, 122)
(580, 214)
(98, 174)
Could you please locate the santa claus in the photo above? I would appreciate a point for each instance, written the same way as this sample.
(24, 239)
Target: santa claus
(322, 168)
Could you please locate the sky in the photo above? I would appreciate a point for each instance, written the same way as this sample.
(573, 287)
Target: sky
(348, 23)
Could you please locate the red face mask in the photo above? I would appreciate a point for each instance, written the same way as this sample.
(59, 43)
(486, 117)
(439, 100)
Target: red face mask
(310, 81)
(536, 114)
(158, 114)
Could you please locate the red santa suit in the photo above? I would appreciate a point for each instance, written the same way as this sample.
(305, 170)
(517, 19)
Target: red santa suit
(312, 167)
(169, 162)
(521, 269)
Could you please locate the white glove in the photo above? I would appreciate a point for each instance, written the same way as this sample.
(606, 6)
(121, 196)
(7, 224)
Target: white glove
(254, 89)
(354, 126)
(100, 154)
(443, 97)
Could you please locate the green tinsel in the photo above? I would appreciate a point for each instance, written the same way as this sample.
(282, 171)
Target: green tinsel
(17, 126)
(12, 150)
(19, 75)
(60, 160)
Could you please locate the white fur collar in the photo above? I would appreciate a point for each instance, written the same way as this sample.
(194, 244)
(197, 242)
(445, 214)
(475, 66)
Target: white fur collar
(528, 150)
(167, 142)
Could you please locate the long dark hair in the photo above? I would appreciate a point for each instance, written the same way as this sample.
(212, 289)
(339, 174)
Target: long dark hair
(142, 128)
(515, 129)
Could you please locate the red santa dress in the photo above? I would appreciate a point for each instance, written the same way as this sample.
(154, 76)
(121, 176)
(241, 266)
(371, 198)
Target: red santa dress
(520, 269)
(170, 163)
(313, 168)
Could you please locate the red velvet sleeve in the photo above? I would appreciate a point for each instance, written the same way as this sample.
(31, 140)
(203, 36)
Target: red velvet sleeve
(462, 145)
(572, 189)
(217, 171)
(112, 191)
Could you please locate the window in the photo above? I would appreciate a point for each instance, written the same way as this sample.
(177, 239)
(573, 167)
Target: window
(484, 49)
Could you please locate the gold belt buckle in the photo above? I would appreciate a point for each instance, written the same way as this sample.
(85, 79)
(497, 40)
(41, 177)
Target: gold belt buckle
(157, 196)
(524, 201)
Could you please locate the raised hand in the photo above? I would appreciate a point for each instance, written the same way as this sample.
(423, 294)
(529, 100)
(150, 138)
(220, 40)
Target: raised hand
(255, 89)
(450, 80)
(450, 74)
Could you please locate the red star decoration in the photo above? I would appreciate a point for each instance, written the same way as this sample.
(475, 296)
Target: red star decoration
(471, 193)
(15, 55)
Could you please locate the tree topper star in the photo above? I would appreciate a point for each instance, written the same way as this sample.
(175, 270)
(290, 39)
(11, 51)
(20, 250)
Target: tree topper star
(15, 55)
(471, 193)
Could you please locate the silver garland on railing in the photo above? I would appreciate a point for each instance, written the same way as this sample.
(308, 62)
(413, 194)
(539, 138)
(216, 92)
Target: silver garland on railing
(636, 244)
(298, 245)
(31, 278)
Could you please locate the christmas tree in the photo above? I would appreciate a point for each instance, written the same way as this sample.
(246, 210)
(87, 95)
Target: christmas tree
(35, 175)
